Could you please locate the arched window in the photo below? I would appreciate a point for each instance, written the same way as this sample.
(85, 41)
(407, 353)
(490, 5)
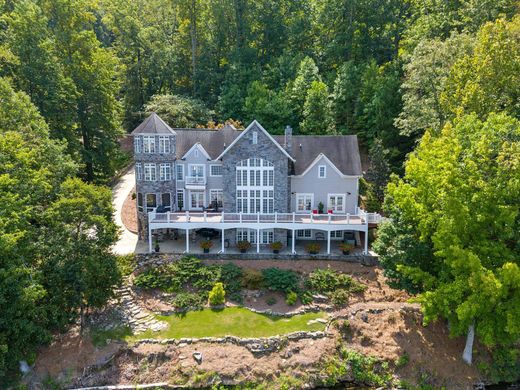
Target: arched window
(255, 186)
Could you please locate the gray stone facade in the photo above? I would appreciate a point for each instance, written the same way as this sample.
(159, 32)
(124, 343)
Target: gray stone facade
(265, 149)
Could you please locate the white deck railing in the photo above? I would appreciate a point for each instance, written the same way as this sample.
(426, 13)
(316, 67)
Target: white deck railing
(361, 218)
(195, 180)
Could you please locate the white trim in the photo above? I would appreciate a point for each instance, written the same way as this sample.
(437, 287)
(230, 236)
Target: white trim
(327, 160)
(251, 125)
(183, 198)
(203, 200)
(167, 144)
(200, 147)
(298, 194)
(324, 171)
(152, 140)
(197, 165)
(213, 190)
(215, 165)
(344, 196)
(150, 165)
(176, 177)
(167, 172)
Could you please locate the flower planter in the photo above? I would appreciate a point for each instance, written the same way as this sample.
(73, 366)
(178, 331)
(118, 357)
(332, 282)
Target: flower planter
(276, 251)
(313, 253)
(346, 252)
(157, 249)
(243, 250)
(206, 250)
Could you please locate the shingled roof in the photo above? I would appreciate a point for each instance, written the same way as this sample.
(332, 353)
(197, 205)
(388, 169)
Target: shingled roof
(153, 125)
(342, 150)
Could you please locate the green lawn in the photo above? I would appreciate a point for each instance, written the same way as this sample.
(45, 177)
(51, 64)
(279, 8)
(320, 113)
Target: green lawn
(233, 321)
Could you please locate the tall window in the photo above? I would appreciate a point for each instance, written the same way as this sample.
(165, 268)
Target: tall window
(266, 235)
(164, 144)
(166, 200)
(148, 144)
(216, 196)
(180, 199)
(255, 186)
(137, 144)
(139, 171)
(151, 201)
(304, 202)
(165, 172)
(149, 172)
(139, 201)
(180, 172)
(255, 137)
(322, 171)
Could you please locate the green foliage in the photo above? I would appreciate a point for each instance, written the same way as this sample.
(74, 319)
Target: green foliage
(316, 110)
(504, 365)
(99, 336)
(339, 297)
(325, 280)
(185, 301)
(403, 360)
(217, 295)
(231, 275)
(291, 298)
(271, 301)
(268, 107)
(252, 279)
(276, 279)
(179, 111)
(306, 298)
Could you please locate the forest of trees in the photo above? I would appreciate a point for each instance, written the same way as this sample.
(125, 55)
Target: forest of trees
(439, 76)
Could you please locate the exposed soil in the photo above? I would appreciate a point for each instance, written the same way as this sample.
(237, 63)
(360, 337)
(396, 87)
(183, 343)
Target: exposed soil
(381, 323)
(129, 213)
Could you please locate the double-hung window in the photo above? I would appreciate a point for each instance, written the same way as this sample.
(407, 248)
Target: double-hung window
(165, 172)
(322, 171)
(149, 172)
(139, 171)
(180, 172)
(148, 144)
(164, 144)
(137, 144)
(307, 233)
(304, 202)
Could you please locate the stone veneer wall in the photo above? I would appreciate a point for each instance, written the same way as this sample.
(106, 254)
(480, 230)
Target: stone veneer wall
(155, 187)
(267, 150)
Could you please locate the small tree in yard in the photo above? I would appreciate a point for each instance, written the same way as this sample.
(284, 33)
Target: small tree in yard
(217, 295)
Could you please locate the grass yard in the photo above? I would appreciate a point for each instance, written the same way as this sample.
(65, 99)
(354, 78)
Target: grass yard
(232, 321)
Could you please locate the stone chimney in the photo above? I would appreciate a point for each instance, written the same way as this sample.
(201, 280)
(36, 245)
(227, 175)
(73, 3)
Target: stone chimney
(288, 139)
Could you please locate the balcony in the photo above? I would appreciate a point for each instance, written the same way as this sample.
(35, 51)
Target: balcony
(195, 182)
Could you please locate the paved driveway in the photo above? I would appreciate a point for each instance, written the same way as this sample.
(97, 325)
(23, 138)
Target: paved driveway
(127, 240)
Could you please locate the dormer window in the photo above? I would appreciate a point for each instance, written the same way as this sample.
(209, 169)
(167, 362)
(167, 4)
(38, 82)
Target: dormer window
(255, 137)
(322, 171)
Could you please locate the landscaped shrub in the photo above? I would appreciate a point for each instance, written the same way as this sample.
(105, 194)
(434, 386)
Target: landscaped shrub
(252, 279)
(326, 280)
(291, 298)
(217, 295)
(231, 275)
(159, 277)
(271, 301)
(339, 297)
(306, 298)
(313, 248)
(188, 301)
(281, 280)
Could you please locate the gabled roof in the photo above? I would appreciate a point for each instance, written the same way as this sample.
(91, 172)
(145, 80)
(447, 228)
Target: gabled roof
(153, 125)
(258, 126)
(199, 146)
(341, 150)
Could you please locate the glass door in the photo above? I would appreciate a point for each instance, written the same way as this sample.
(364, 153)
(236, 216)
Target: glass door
(196, 200)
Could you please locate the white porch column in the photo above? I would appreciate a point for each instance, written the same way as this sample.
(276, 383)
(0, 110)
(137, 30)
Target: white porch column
(366, 240)
(149, 237)
(293, 240)
(187, 240)
(328, 242)
(258, 240)
(222, 249)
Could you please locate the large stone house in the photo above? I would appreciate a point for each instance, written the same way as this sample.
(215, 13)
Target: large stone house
(248, 185)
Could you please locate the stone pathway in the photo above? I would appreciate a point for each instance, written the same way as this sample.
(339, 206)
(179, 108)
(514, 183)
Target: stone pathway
(137, 318)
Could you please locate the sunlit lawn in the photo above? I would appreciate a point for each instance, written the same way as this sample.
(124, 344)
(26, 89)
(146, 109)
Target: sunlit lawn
(234, 321)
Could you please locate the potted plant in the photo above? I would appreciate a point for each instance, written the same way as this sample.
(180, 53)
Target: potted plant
(276, 246)
(320, 207)
(157, 247)
(206, 245)
(243, 245)
(313, 248)
(346, 247)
